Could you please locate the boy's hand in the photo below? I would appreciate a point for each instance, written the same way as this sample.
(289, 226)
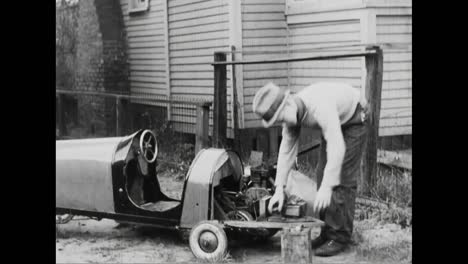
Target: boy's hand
(278, 197)
(323, 198)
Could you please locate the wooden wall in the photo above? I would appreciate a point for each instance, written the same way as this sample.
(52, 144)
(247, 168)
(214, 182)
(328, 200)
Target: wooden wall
(196, 30)
(264, 34)
(304, 36)
(396, 107)
(146, 48)
(171, 47)
(373, 21)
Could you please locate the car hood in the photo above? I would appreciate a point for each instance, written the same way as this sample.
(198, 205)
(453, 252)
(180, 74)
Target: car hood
(97, 149)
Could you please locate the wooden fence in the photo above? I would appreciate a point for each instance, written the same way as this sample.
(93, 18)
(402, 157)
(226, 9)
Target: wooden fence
(122, 112)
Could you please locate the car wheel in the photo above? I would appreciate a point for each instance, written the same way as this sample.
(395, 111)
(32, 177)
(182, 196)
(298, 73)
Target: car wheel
(208, 241)
(63, 219)
(240, 215)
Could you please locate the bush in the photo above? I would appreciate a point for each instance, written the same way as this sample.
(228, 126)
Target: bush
(176, 151)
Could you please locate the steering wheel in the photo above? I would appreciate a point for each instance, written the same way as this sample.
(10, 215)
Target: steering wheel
(148, 146)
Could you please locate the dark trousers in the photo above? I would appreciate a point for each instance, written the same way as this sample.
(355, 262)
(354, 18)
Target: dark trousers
(339, 216)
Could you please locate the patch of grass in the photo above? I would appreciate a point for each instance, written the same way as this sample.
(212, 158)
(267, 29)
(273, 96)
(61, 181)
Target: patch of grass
(393, 190)
(394, 185)
(375, 241)
(398, 252)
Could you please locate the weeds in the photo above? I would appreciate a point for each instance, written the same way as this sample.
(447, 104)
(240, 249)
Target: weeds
(393, 185)
(176, 151)
(376, 241)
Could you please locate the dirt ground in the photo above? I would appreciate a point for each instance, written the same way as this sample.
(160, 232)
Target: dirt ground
(89, 241)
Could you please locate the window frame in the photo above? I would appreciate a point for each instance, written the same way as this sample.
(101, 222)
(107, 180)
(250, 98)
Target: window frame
(135, 6)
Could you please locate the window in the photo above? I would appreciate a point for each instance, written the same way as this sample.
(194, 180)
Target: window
(138, 5)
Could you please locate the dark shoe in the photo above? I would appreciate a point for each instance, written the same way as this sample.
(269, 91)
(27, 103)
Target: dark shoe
(317, 242)
(330, 248)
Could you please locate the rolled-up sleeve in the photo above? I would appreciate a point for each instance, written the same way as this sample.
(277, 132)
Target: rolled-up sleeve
(287, 153)
(328, 119)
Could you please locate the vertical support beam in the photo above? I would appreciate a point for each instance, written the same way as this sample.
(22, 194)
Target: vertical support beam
(118, 116)
(61, 115)
(273, 143)
(202, 126)
(220, 102)
(368, 26)
(167, 58)
(235, 41)
(235, 103)
(374, 66)
(130, 118)
(261, 135)
(125, 113)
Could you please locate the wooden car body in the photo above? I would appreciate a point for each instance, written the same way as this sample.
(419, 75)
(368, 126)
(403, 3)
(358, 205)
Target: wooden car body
(108, 178)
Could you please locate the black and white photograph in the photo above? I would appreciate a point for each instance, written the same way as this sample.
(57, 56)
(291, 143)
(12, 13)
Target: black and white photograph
(233, 131)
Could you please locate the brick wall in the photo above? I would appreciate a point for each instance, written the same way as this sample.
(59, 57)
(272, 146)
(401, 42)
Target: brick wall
(101, 63)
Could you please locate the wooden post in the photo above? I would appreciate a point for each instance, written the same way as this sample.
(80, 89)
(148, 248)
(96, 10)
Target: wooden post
(202, 126)
(273, 142)
(296, 246)
(373, 91)
(262, 140)
(235, 101)
(167, 57)
(61, 115)
(220, 102)
(118, 116)
(125, 114)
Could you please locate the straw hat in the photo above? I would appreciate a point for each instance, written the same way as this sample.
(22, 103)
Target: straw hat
(268, 102)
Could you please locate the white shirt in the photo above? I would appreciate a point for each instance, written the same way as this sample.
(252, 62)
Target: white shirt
(328, 106)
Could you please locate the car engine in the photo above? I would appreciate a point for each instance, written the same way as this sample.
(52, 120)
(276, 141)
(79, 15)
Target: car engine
(250, 201)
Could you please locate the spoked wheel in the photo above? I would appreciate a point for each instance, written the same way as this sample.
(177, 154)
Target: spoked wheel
(240, 215)
(63, 219)
(148, 146)
(208, 241)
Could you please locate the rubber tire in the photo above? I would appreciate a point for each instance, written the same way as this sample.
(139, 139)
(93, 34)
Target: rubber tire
(216, 229)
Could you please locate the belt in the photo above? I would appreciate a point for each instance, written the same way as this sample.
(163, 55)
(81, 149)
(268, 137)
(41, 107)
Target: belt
(359, 117)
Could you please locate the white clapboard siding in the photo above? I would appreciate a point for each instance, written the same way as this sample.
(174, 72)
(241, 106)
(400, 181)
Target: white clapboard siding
(304, 37)
(264, 35)
(196, 30)
(146, 49)
(181, 6)
(396, 106)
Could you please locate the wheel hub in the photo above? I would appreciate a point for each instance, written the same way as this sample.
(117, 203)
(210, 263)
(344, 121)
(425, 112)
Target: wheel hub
(208, 241)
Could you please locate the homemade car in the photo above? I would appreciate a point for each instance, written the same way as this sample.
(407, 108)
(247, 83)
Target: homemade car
(116, 178)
